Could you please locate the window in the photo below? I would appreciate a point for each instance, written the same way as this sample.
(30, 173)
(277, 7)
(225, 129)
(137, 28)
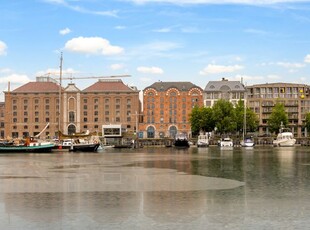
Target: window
(47, 101)
(96, 119)
(85, 119)
(36, 119)
(47, 119)
(71, 116)
(85, 100)
(96, 113)
(25, 120)
(85, 107)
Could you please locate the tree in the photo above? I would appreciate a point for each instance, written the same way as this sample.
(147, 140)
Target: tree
(224, 116)
(201, 119)
(196, 120)
(307, 122)
(251, 118)
(277, 118)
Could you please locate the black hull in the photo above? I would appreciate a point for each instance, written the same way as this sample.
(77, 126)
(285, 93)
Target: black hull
(181, 143)
(79, 147)
(4, 150)
(85, 148)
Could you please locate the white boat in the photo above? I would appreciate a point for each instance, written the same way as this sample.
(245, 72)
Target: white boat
(203, 140)
(226, 142)
(285, 139)
(247, 142)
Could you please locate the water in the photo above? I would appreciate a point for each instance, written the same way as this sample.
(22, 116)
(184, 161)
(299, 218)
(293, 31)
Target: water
(157, 188)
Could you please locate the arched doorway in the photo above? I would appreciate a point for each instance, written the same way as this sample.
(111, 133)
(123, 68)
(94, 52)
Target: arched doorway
(71, 129)
(150, 132)
(173, 131)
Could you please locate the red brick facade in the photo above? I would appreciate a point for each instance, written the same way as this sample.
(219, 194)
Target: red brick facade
(167, 107)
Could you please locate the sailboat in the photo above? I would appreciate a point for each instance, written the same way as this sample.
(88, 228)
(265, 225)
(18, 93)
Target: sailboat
(247, 141)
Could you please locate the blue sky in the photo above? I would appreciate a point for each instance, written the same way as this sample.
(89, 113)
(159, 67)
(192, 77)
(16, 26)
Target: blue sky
(169, 40)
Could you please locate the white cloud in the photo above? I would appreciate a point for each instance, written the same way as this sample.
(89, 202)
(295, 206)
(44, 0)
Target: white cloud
(117, 66)
(3, 48)
(5, 70)
(120, 27)
(290, 65)
(215, 69)
(245, 2)
(307, 58)
(92, 45)
(162, 30)
(151, 70)
(15, 79)
(54, 73)
(65, 31)
(80, 9)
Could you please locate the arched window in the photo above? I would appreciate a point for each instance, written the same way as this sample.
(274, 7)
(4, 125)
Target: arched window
(150, 132)
(71, 129)
(173, 131)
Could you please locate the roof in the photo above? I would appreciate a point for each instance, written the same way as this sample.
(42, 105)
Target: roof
(278, 84)
(109, 86)
(224, 85)
(164, 86)
(38, 87)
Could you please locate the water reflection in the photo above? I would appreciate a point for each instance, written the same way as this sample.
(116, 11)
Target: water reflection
(257, 188)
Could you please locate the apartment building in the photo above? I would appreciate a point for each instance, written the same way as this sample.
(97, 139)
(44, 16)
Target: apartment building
(29, 108)
(232, 91)
(167, 107)
(295, 97)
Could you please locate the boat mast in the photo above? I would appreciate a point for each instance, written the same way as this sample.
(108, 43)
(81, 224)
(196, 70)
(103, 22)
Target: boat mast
(59, 108)
(244, 117)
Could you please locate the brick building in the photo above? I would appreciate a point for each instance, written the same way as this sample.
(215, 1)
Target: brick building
(166, 108)
(31, 106)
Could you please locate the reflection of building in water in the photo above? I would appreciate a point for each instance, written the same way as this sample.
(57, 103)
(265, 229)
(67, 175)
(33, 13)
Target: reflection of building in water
(37, 207)
(110, 207)
(174, 206)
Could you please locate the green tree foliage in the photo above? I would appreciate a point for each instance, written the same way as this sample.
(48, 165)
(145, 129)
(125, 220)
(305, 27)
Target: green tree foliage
(224, 116)
(307, 122)
(239, 111)
(201, 120)
(277, 117)
(252, 120)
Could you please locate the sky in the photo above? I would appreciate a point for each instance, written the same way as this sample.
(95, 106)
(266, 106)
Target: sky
(253, 41)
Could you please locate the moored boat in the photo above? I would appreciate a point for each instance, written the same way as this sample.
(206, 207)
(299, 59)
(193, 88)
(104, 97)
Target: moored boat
(203, 140)
(226, 142)
(78, 145)
(181, 141)
(285, 139)
(247, 142)
(27, 146)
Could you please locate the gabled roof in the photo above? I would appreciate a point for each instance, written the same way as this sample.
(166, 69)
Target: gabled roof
(104, 85)
(72, 88)
(164, 86)
(224, 85)
(38, 87)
